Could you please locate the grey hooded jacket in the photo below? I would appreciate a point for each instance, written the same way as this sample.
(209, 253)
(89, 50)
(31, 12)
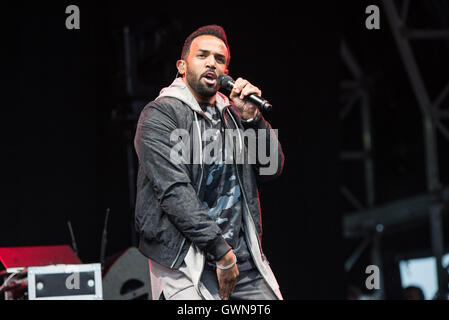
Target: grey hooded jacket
(169, 217)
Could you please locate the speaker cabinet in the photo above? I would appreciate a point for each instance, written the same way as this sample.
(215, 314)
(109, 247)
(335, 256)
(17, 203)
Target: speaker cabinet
(127, 276)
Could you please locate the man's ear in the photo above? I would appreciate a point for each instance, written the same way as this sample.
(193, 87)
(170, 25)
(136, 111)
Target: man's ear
(226, 71)
(181, 66)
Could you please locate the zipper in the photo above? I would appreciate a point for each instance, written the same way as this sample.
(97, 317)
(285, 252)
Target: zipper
(250, 218)
(241, 186)
(179, 252)
(199, 188)
(248, 211)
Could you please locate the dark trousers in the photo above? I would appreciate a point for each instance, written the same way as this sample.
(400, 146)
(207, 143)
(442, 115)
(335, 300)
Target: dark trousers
(250, 285)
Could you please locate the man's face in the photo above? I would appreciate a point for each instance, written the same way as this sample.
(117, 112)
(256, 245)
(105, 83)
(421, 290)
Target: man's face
(206, 61)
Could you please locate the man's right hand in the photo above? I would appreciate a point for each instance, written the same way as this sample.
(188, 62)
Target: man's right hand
(227, 278)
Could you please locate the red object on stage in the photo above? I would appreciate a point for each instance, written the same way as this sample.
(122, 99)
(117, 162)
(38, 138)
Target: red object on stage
(16, 257)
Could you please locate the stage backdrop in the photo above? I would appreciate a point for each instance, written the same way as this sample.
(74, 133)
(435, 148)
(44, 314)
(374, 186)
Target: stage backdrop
(69, 148)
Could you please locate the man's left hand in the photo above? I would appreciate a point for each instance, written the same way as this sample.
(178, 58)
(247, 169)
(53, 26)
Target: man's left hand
(242, 89)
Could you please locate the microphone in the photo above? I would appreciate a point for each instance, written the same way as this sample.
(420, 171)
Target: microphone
(228, 83)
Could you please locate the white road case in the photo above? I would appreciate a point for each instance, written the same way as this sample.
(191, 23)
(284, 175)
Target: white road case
(65, 282)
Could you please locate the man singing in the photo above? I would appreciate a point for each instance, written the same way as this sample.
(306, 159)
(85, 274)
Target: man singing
(199, 221)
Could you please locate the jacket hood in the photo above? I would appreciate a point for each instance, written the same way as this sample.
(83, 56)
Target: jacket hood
(179, 90)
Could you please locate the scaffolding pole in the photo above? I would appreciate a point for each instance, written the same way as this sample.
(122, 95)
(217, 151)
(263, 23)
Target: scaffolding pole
(360, 97)
(429, 130)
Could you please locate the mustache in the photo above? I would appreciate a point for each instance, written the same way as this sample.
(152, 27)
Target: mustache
(209, 71)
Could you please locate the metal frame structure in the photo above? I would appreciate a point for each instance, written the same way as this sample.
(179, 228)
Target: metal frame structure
(366, 220)
(431, 121)
(359, 95)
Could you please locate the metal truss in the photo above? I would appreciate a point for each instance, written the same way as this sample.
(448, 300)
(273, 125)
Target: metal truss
(368, 222)
(431, 120)
(359, 97)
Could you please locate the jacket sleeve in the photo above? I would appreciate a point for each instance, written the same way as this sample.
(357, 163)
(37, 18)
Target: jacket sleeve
(171, 183)
(270, 161)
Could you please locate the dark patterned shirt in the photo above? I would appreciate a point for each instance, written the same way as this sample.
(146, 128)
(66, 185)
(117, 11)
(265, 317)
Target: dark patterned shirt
(220, 192)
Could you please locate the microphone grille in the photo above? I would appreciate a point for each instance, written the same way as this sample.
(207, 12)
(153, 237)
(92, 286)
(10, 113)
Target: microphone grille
(225, 81)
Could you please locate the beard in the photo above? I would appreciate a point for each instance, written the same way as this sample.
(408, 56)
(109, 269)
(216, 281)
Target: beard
(199, 87)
